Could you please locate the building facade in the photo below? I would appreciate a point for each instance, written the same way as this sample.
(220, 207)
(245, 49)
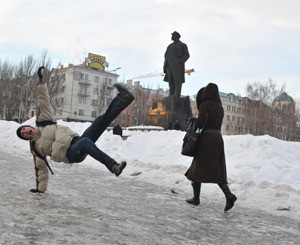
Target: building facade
(233, 114)
(86, 92)
(136, 113)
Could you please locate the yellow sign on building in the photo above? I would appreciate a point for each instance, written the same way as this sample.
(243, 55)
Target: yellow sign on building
(95, 60)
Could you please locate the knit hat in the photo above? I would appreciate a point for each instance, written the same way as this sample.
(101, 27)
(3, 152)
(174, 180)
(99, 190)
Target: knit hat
(19, 132)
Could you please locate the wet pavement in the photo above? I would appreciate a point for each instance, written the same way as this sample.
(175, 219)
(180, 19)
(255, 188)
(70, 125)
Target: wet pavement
(90, 206)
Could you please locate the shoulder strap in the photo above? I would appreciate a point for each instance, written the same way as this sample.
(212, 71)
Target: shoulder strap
(45, 123)
(32, 143)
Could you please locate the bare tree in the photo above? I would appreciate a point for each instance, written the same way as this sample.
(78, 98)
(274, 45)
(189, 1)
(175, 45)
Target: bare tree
(142, 103)
(24, 82)
(55, 80)
(262, 116)
(17, 84)
(265, 92)
(8, 95)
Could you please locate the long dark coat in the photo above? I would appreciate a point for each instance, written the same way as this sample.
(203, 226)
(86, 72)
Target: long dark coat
(209, 164)
(175, 56)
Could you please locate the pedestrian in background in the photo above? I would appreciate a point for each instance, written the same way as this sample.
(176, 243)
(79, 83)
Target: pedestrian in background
(208, 165)
(117, 130)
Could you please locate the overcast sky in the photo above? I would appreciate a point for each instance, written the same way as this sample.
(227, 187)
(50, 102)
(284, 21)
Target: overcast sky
(230, 42)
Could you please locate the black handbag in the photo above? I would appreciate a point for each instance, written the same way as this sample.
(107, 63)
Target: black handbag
(190, 140)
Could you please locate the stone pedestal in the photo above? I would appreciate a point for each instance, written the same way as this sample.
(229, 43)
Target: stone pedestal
(169, 110)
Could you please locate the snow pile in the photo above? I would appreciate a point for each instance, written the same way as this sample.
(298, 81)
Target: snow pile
(262, 171)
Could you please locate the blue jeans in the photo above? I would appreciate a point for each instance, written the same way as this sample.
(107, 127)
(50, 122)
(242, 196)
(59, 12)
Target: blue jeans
(85, 144)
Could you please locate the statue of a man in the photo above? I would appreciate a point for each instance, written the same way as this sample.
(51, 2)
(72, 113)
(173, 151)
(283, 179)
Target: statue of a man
(176, 55)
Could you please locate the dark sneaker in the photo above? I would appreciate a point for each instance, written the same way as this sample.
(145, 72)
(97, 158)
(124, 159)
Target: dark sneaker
(118, 168)
(124, 92)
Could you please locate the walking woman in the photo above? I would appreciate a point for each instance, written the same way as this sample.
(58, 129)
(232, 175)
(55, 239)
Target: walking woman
(208, 165)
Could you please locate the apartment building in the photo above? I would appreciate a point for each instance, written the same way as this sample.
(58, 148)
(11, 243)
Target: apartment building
(233, 114)
(245, 116)
(86, 92)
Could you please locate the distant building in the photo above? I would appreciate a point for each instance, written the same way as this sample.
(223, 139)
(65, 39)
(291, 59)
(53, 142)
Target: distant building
(233, 114)
(285, 120)
(135, 114)
(86, 92)
(245, 116)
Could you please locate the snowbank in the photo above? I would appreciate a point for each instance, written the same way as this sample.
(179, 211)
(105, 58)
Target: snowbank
(262, 171)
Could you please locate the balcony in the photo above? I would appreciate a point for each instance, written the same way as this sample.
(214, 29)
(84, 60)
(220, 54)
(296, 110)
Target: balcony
(83, 94)
(107, 86)
(84, 82)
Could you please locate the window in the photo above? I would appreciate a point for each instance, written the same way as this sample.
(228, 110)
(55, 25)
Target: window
(227, 127)
(95, 91)
(63, 88)
(63, 77)
(83, 90)
(233, 118)
(109, 81)
(81, 112)
(82, 76)
(94, 114)
(82, 100)
(96, 79)
(228, 118)
(86, 77)
(233, 109)
(228, 108)
(95, 102)
(32, 113)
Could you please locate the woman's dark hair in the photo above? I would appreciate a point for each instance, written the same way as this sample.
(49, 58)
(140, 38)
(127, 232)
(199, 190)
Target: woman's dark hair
(198, 97)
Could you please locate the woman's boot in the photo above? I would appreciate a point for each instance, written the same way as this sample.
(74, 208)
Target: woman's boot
(230, 198)
(196, 199)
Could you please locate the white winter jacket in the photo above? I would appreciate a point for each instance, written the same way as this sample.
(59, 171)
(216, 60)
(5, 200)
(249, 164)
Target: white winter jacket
(51, 140)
